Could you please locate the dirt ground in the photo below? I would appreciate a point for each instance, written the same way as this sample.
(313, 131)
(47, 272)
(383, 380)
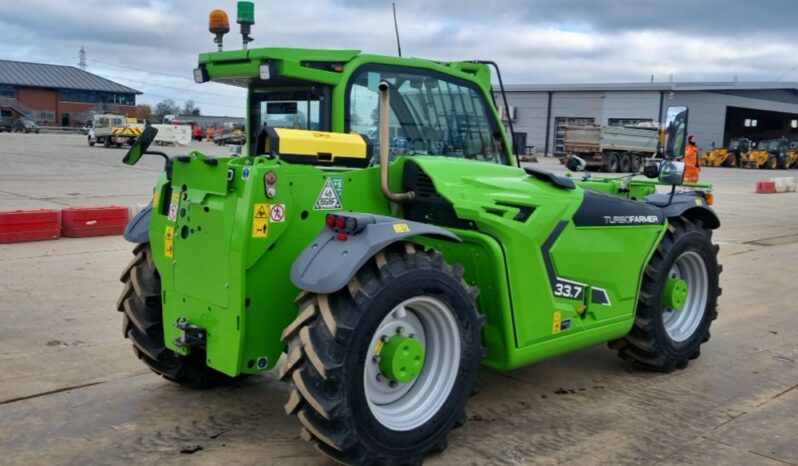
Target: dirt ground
(71, 391)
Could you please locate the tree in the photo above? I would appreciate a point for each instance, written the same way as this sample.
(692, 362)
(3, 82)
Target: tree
(190, 108)
(144, 112)
(163, 108)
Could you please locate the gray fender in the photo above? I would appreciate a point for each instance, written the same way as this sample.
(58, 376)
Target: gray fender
(690, 204)
(138, 229)
(328, 264)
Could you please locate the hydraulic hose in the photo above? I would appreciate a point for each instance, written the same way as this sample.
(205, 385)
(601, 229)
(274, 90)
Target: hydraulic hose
(385, 144)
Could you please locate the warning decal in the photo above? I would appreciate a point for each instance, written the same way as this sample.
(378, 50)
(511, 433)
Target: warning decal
(169, 241)
(329, 197)
(260, 221)
(173, 206)
(277, 214)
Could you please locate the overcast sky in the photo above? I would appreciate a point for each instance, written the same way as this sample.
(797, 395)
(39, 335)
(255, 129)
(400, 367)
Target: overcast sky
(151, 45)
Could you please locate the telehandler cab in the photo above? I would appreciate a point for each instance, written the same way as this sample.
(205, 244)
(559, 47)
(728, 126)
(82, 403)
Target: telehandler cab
(382, 282)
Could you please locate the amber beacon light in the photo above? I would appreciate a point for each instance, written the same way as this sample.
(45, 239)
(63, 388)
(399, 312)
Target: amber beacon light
(218, 25)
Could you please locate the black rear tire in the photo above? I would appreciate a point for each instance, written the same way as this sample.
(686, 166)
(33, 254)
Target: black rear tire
(649, 344)
(625, 163)
(637, 162)
(140, 302)
(329, 345)
(611, 162)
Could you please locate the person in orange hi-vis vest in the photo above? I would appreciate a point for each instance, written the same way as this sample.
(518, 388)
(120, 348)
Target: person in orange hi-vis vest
(692, 166)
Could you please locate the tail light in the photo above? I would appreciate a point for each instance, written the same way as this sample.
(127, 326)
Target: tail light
(344, 225)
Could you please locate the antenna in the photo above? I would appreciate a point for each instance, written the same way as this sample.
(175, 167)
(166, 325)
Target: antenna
(82, 55)
(396, 28)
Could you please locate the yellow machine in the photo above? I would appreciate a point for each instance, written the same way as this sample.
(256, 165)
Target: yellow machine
(733, 156)
(717, 157)
(759, 158)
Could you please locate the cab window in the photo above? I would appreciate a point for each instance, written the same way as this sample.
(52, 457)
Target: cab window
(431, 114)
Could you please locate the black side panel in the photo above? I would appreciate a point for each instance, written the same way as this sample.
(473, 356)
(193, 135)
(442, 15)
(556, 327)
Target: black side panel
(138, 230)
(428, 206)
(599, 209)
(560, 181)
(691, 204)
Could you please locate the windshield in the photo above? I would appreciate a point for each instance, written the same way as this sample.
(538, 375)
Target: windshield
(431, 114)
(297, 109)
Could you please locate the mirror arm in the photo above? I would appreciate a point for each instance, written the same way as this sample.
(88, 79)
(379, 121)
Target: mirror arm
(167, 166)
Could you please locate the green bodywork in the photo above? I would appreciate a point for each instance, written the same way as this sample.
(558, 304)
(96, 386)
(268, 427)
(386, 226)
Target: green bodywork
(221, 270)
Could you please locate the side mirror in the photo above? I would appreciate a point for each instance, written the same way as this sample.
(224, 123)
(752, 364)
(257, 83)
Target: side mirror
(676, 132)
(576, 164)
(651, 171)
(671, 172)
(140, 146)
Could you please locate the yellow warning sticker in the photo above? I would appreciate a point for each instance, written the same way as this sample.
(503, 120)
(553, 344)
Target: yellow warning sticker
(557, 317)
(401, 228)
(155, 199)
(260, 221)
(169, 241)
(378, 349)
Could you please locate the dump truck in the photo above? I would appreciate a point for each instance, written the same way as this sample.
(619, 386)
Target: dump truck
(113, 130)
(732, 156)
(611, 148)
(374, 279)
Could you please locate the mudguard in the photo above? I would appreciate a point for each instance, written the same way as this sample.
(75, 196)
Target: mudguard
(138, 229)
(331, 260)
(690, 204)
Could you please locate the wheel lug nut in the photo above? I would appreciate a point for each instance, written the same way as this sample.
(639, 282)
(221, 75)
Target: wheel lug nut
(399, 329)
(392, 383)
(412, 335)
(379, 377)
(384, 338)
(375, 359)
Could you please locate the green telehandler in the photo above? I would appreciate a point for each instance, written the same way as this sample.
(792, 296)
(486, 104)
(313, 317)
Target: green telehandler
(379, 239)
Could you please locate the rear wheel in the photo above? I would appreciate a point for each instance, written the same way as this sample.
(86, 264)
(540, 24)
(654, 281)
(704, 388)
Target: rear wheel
(625, 163)
(678, 300)
(91, 141)
(382, 369)
(728, 161)
(772, 163)
(637, 161)
(140, 302)
(611, 162)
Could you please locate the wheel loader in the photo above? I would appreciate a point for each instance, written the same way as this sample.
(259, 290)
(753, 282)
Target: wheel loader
(377, 241)
(769, 153)
(731, 156)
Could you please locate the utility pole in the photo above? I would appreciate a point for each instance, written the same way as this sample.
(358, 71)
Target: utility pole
(82, 55)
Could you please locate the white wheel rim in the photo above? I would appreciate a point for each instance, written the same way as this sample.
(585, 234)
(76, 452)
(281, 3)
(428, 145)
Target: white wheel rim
(681, 324)
(404, 407)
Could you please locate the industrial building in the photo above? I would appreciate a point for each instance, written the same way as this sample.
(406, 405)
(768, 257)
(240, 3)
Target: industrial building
(719, 111)
(56, 95)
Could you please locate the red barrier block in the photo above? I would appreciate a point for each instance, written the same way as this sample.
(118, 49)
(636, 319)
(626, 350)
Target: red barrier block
(766, 187)
(80, 222)
(29, 225)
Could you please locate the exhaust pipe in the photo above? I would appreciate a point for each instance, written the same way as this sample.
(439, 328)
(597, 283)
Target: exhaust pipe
(385, 125)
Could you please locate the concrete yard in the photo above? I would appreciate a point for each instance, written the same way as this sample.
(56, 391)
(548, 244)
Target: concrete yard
(72, 392)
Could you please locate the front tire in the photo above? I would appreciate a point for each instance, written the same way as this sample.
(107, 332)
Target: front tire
(349, 408)
(665, 337)
(140, 302)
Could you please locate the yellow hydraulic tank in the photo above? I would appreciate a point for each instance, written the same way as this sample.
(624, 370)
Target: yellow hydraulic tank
(319, 147)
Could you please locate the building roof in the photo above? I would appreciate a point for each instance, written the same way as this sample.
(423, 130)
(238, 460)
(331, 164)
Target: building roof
(56, 76)
(666, 86)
